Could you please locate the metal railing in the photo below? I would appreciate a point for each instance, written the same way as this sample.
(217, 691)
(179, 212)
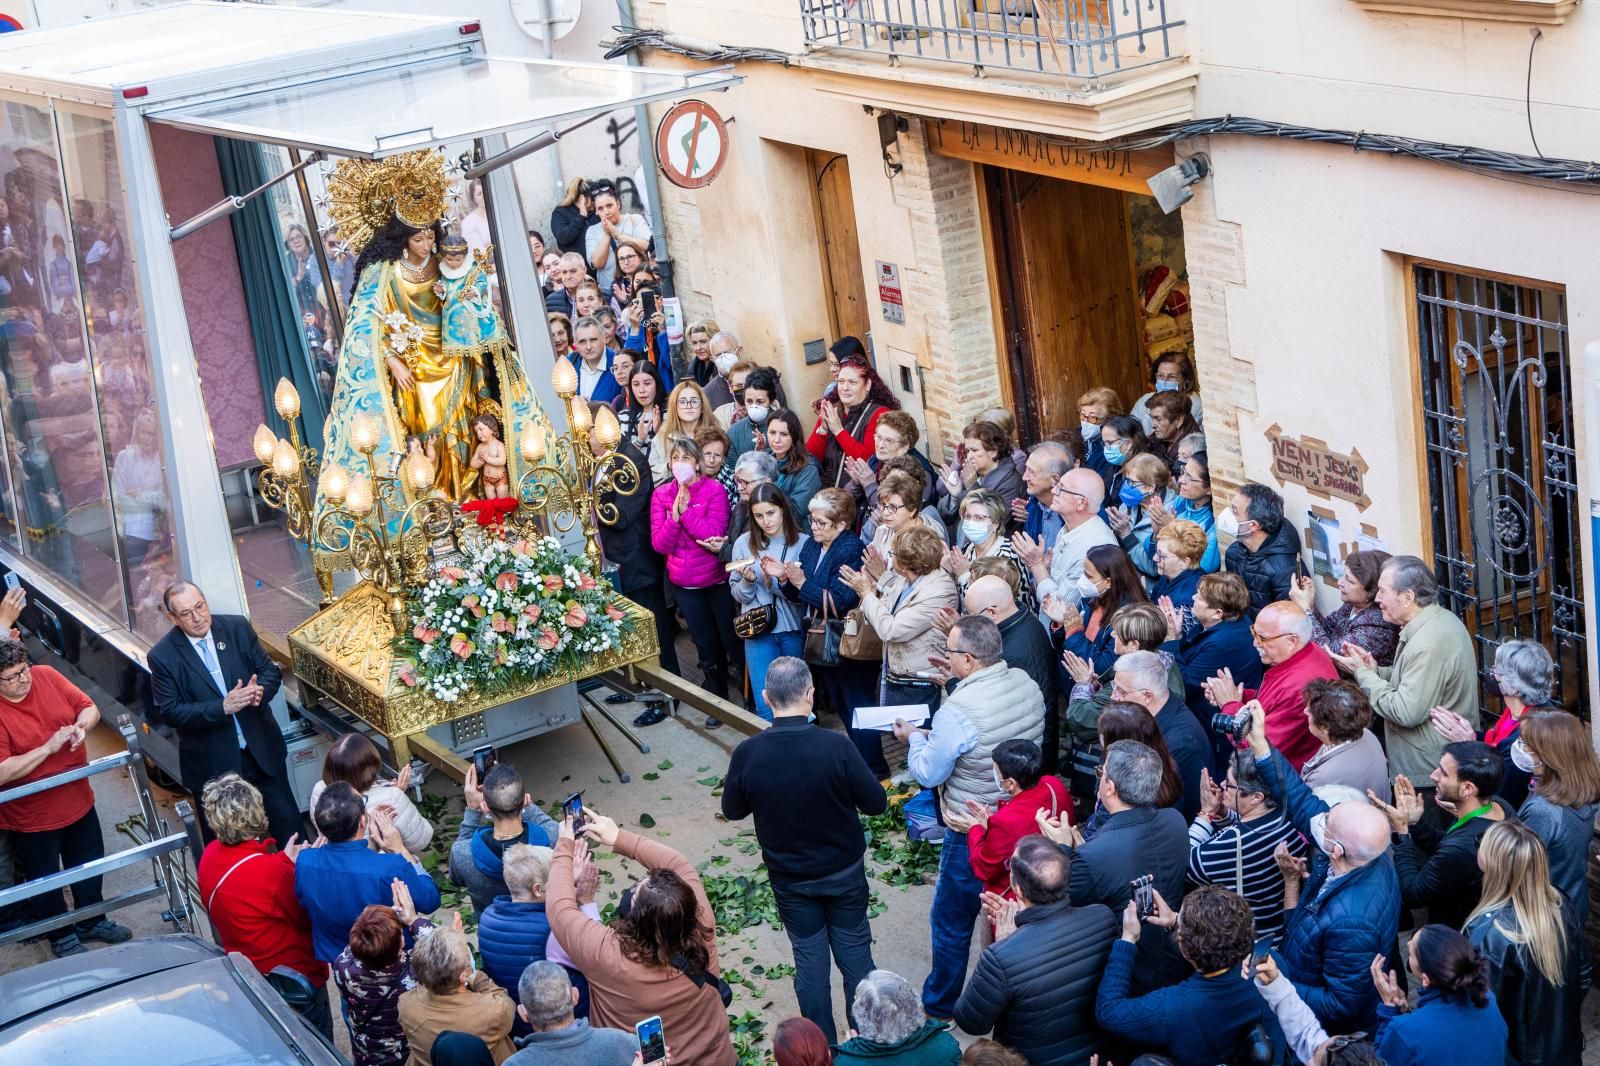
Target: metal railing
(164, 852)
(1081, 39)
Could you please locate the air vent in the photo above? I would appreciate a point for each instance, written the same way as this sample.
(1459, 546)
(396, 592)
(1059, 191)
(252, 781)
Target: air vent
(816, 351)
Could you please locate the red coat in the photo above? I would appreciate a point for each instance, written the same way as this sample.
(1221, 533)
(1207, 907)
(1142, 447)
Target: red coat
(255, 910)
(1285, 707)
(991, 847)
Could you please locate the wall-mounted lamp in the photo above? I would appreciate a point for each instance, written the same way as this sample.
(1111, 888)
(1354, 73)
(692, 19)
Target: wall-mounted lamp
(1172, 187)
(890, 127)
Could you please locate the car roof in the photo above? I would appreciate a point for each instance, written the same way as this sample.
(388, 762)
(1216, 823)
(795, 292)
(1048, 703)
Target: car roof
(173, 999)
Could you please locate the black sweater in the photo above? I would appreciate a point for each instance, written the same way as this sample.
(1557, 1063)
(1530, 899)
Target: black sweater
(804, 785)
(1449, 882)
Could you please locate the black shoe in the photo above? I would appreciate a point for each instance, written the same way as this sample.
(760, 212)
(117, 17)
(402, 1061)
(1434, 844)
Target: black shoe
(106, 932)
(649, 716)
(62, 946)
(619, 697)
(713, 723)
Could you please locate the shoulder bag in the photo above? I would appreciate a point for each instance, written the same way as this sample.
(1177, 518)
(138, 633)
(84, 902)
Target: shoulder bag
(822, 635)
(761, 619)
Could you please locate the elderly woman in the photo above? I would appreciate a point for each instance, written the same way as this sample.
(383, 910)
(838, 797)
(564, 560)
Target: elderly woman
(750, 470)
(984, 518)
(1234, 837)
(354, 759)
(1170, 422)
(985, 463)
(905, 467)
(1146, 484)
(1525, 675)
(901, 609)
(372, 973)
(248, 891)
(1172, 372)
(453, 995)
(892, 1030)
(895, 436)
(1179, 547)
(1193, 505)
(1338, 714)
(1358, 619)
(659, 957)
(898, 493)
(1222, 642)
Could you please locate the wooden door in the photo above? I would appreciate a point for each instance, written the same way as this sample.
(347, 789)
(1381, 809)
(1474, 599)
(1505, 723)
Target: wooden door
(846, 290)
(1064, 279)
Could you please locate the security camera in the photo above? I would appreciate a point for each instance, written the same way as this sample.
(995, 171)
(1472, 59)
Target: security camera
(1172, 187)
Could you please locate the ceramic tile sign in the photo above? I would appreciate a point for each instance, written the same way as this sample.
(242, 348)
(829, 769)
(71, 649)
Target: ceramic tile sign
(1323, 472)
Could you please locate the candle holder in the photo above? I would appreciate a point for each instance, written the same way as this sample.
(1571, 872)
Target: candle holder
(569, 472)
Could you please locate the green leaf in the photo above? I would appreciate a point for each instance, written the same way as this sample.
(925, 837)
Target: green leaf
(714, 781)
(664, 764)
(701, 769)
(646, 821)
(652, 776)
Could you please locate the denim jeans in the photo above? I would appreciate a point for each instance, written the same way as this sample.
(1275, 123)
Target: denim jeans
(758, 655)
(956, 902)
(828, 912)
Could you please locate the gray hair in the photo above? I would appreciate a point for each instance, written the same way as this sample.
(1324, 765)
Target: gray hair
(726, 338)
(1333, 794)
(526, 867)
(545, 992)
(1195, 442)
(981, 638)
(438, 960)
(788, 680)
(1526, 671)
(1247, 776)
(757, 466)
(1135, 769)
(887, 1008)
(683, 443)
(1055, 458)
(1407, 573)
(587, 322)
(1144, 670)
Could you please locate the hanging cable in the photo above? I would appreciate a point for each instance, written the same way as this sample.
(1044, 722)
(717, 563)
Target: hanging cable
(1527, 91)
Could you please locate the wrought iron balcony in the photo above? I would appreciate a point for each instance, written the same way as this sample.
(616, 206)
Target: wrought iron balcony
(1086, 40)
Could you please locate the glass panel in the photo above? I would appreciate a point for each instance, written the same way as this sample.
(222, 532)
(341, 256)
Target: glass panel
(455, 99)
(315, 294)
(57, 460)
(121, 358)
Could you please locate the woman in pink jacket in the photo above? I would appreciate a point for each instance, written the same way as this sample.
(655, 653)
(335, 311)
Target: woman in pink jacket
(688, 525)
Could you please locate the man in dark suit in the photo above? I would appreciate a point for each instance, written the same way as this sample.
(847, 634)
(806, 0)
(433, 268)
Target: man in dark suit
(627, 545)
(212, 681)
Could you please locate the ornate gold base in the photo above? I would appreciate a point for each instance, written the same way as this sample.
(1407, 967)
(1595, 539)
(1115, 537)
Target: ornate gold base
(345, 652)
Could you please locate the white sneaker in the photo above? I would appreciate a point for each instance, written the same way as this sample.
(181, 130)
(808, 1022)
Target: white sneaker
(904, 777)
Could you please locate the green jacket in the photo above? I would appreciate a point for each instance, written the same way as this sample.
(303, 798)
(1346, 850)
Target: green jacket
(1083, 715)
(932, 1045)
(1434, 666)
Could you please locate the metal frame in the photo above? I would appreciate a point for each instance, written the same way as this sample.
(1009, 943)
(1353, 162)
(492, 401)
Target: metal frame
(1043, 36)
(1500, 438)
(160, 851)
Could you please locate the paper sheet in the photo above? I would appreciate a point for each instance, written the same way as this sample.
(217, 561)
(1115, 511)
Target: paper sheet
(882, 718)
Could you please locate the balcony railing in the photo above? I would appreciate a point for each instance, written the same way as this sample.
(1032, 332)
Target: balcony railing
(1080, 39)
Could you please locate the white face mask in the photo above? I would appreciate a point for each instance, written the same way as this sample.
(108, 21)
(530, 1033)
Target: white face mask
(1229, 524)
(976, 530)
(756, 412)
(1319, 829)
(1089, 430)
(1088, 589)
(1521, 757)
(999, 782)
(725, 362)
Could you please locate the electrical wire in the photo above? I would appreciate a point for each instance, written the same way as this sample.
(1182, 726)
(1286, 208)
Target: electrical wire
(629, 39)
(1527, 91)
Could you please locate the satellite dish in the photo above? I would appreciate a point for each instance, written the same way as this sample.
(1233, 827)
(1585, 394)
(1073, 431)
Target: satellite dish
(530, 15)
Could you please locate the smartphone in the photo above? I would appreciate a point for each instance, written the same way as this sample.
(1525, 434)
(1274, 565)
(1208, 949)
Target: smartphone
(1259, 955)
(572, 807)
(1300, 566)
(652, 304)
(652, 1041)
(1144, 895)
(13, 581)
(483, 759)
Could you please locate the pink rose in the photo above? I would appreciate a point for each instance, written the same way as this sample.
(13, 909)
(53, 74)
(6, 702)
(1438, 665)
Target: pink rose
(548, 638)
(461, 647)
(615, 613)
(585, 583)
(506, 582)
(473, 604)
(424, 634)
(408, 677)
(533, 611)
(452, 573)
(576, 615)
(501, 624)
(553, 583)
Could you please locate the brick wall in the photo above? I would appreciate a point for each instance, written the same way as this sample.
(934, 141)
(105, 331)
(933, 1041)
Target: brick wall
(1215, 252)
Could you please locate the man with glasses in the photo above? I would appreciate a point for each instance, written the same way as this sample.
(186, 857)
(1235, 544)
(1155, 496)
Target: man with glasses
(43, 721)
(211, 680)
(991, 703)
(1077, 497)
(1282, 636)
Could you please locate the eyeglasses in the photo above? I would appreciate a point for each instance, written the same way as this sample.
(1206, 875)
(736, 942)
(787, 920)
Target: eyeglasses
(889, 508)
(888, 440)
(949, 651)
(1262, 638)
(688, 401)
(193, 613)
(15, 676)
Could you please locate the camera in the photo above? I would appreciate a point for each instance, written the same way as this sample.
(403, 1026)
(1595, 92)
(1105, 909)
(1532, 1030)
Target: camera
(1236, 726)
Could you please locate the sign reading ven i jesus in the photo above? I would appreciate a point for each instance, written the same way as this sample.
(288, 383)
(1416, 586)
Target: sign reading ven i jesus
(1321, 470)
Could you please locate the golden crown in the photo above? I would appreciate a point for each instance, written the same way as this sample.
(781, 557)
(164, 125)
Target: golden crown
(363, 195)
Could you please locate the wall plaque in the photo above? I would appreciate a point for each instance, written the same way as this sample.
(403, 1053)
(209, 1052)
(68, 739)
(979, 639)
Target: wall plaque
(1322, 471)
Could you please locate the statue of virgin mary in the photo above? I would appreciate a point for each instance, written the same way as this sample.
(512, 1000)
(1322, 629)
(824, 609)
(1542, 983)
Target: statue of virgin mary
(420, 388)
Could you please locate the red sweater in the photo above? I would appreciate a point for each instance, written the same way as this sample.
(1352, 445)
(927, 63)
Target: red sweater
(861, 447)
(255, 910)
(1280, 696)
(991, 847)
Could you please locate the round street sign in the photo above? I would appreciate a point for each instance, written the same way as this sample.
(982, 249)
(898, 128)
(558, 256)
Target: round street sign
(691, 144)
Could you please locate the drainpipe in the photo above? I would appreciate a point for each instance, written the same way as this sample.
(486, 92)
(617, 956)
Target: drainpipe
(647, 160)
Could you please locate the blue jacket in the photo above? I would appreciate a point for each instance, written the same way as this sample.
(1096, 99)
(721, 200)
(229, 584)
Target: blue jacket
(336, 882)
(1330, 938)
(1036, 527)
(609, 388)
(1201, 515)
(822, 573)
(510, 936)
(661, 357)
(1442, 1031)
(1226, 645)
(1180, 590)
(1198, 1022)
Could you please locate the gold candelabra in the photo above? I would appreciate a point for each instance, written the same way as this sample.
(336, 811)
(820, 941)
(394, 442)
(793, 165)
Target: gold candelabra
(569, 473)
(356, 522)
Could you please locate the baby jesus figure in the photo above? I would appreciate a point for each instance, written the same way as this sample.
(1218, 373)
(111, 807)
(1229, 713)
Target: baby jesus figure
(489, 458)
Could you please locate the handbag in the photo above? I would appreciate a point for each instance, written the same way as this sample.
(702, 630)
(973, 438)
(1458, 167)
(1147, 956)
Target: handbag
(858, 640)
(822, 636)
(761, 619)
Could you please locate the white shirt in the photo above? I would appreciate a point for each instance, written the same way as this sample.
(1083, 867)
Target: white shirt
(217, 677)
(588, 379)
(1066, 559)
(597, 238)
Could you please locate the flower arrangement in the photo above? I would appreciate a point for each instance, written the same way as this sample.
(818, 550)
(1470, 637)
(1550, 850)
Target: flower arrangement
(404, 334)
(515, 610)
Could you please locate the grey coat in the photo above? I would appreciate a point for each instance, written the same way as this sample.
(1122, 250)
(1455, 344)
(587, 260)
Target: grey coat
(481, 886)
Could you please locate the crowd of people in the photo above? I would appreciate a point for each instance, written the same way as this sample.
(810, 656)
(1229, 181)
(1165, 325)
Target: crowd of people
(1192, 811)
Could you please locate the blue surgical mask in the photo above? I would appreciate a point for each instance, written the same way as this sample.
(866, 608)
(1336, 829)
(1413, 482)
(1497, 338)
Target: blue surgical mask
(1167, 386)
(1114, 454)
(1131, 495)
(1089, 430)
(976, 530)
